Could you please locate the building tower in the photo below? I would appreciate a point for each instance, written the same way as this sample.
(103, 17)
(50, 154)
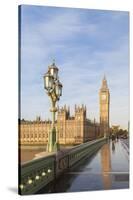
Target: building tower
(63, 115)
(104, 97)
(80, 117)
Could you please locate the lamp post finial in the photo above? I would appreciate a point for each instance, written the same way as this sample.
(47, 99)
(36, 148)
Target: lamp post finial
(53, 61)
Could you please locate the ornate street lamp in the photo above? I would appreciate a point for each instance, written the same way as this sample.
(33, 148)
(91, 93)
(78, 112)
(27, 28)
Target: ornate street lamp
(54, 91)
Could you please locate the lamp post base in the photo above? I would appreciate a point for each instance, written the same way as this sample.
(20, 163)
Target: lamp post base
(52, 145)
(52, 148)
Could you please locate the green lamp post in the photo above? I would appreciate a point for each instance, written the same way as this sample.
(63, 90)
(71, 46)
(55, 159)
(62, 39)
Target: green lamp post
(54, 91)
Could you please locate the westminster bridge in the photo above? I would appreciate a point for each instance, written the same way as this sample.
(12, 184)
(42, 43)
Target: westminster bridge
(95, 165)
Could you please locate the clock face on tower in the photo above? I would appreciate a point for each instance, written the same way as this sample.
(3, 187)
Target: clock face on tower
(103, 97)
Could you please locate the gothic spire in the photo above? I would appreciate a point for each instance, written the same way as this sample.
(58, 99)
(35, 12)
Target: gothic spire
(104, 83)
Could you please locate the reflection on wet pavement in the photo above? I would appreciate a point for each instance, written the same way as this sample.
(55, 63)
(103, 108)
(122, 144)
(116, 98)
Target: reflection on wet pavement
(107, 169)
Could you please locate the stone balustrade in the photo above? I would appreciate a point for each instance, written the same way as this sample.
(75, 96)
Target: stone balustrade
(37, 173)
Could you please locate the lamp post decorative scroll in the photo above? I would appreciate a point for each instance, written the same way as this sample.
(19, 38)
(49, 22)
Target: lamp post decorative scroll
(54, 91)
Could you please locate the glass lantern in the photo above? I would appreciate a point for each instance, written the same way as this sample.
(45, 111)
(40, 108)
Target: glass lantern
(53, 70)
(58, 89)
(48, 81)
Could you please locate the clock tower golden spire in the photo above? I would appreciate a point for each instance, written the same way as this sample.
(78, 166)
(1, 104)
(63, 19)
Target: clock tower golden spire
(104, 99)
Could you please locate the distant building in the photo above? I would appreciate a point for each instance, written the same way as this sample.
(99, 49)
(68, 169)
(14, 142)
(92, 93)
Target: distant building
(70, 129)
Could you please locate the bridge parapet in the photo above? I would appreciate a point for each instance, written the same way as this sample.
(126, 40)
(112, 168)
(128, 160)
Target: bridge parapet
(77, 153)
(37, 173)
(87, 150)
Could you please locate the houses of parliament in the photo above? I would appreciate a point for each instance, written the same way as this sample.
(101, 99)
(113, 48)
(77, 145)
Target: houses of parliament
(70, 130)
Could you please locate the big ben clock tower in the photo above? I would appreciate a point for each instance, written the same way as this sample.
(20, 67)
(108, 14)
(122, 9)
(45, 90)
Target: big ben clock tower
(104, 96)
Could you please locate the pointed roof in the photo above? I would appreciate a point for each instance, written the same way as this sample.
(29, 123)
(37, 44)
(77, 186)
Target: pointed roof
(104, 77)
(104, 83)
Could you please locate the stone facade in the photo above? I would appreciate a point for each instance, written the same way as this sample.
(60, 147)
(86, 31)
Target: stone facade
(70, 130)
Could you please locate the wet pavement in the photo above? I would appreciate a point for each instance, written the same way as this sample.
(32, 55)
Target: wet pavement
(107, 169)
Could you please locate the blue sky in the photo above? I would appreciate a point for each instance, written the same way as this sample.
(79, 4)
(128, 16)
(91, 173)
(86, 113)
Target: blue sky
(86, 44)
